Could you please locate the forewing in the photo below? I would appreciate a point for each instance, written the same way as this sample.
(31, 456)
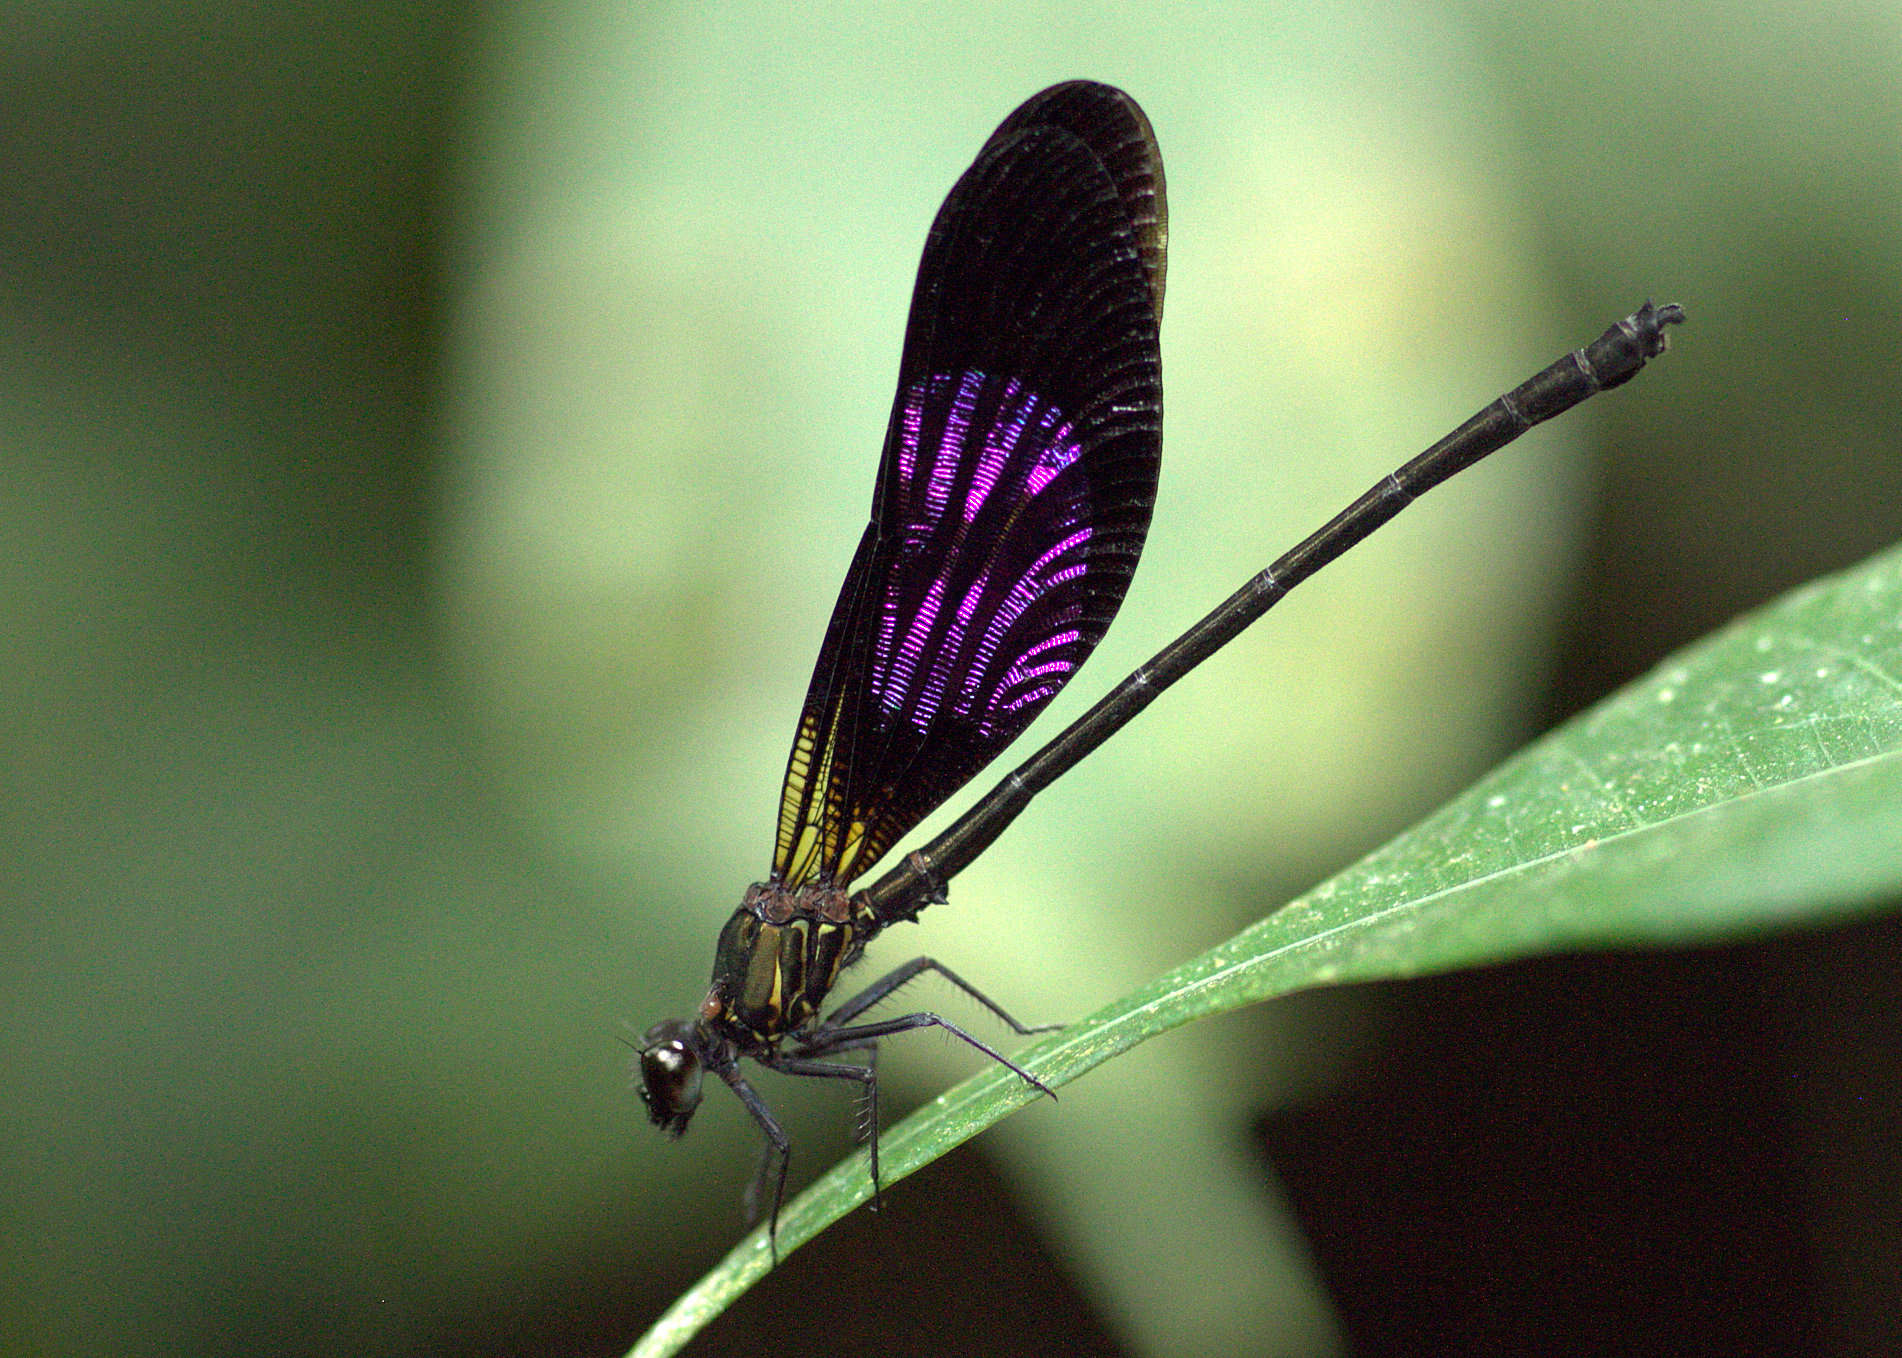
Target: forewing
(1016, 485)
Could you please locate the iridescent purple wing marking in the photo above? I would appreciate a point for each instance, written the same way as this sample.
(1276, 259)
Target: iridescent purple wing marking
(1015, 489)
(918, 660)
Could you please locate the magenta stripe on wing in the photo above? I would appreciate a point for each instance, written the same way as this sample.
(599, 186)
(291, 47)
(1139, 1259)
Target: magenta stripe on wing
(997, 450)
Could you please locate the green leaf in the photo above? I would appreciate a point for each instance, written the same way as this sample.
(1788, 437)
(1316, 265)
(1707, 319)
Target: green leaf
(1752, 782)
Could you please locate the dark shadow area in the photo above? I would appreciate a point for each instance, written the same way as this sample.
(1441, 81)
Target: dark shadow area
(1680, 1153)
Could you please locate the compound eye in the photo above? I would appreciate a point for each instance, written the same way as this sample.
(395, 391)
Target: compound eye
(670, 1078)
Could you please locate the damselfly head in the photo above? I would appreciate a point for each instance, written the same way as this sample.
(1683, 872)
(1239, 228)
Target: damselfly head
(670, 1075)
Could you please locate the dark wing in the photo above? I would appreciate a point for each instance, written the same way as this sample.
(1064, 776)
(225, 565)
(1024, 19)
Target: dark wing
(1015, 489)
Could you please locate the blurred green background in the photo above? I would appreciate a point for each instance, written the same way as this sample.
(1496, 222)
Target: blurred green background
(434, 436)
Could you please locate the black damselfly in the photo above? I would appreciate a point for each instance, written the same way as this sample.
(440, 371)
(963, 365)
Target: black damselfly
(1012, 500)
